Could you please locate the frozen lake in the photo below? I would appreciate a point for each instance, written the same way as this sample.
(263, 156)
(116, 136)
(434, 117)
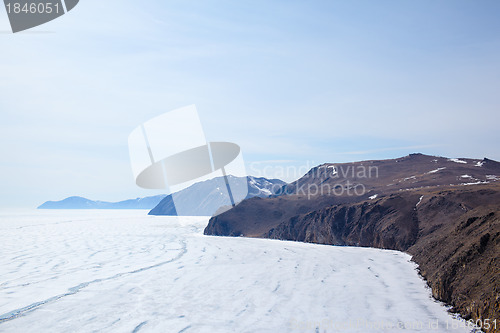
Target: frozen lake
(124, 271)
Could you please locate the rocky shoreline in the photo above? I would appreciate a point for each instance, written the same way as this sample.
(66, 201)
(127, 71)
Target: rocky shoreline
(452, 233)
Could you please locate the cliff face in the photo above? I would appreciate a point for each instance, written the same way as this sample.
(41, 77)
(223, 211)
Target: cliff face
(461, 260)
(452, 232)
(390, 223)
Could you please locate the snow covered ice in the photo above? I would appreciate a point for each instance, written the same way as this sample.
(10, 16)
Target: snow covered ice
(124, 271)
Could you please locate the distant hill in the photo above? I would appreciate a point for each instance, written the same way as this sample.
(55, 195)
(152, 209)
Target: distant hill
(76, 202)
(205, 198)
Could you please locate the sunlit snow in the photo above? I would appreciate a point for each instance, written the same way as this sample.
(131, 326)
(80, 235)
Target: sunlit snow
(456, 160)
(437, 170)
(116, 271)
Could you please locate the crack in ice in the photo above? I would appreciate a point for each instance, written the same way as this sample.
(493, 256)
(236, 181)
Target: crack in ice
(138, 327)
(74, 290)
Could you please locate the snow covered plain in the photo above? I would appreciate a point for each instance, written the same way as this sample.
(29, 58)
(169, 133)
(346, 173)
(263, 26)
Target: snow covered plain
(124, 271)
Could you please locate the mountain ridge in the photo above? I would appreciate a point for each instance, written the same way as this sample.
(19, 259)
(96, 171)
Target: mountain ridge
(78, 202)
(207, 197)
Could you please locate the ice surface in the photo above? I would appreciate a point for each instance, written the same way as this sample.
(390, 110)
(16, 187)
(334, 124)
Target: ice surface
(85, 271)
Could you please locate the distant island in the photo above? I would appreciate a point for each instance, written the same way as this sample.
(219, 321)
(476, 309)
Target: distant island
(76, 202)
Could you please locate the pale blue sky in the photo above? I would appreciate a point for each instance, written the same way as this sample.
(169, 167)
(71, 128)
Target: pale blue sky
(292, 82)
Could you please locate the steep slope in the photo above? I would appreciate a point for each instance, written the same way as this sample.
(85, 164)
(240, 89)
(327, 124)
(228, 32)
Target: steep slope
(448, 219)
(205, 198)
(352, 183)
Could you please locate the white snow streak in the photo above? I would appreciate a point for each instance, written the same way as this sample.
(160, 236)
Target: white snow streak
(456, 160)
(437, 170)
(419, 201)
(474, 183)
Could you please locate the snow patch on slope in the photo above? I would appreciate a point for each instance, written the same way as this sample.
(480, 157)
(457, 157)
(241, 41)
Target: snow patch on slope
(437, 170)
(474, 183)
(456, 160)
